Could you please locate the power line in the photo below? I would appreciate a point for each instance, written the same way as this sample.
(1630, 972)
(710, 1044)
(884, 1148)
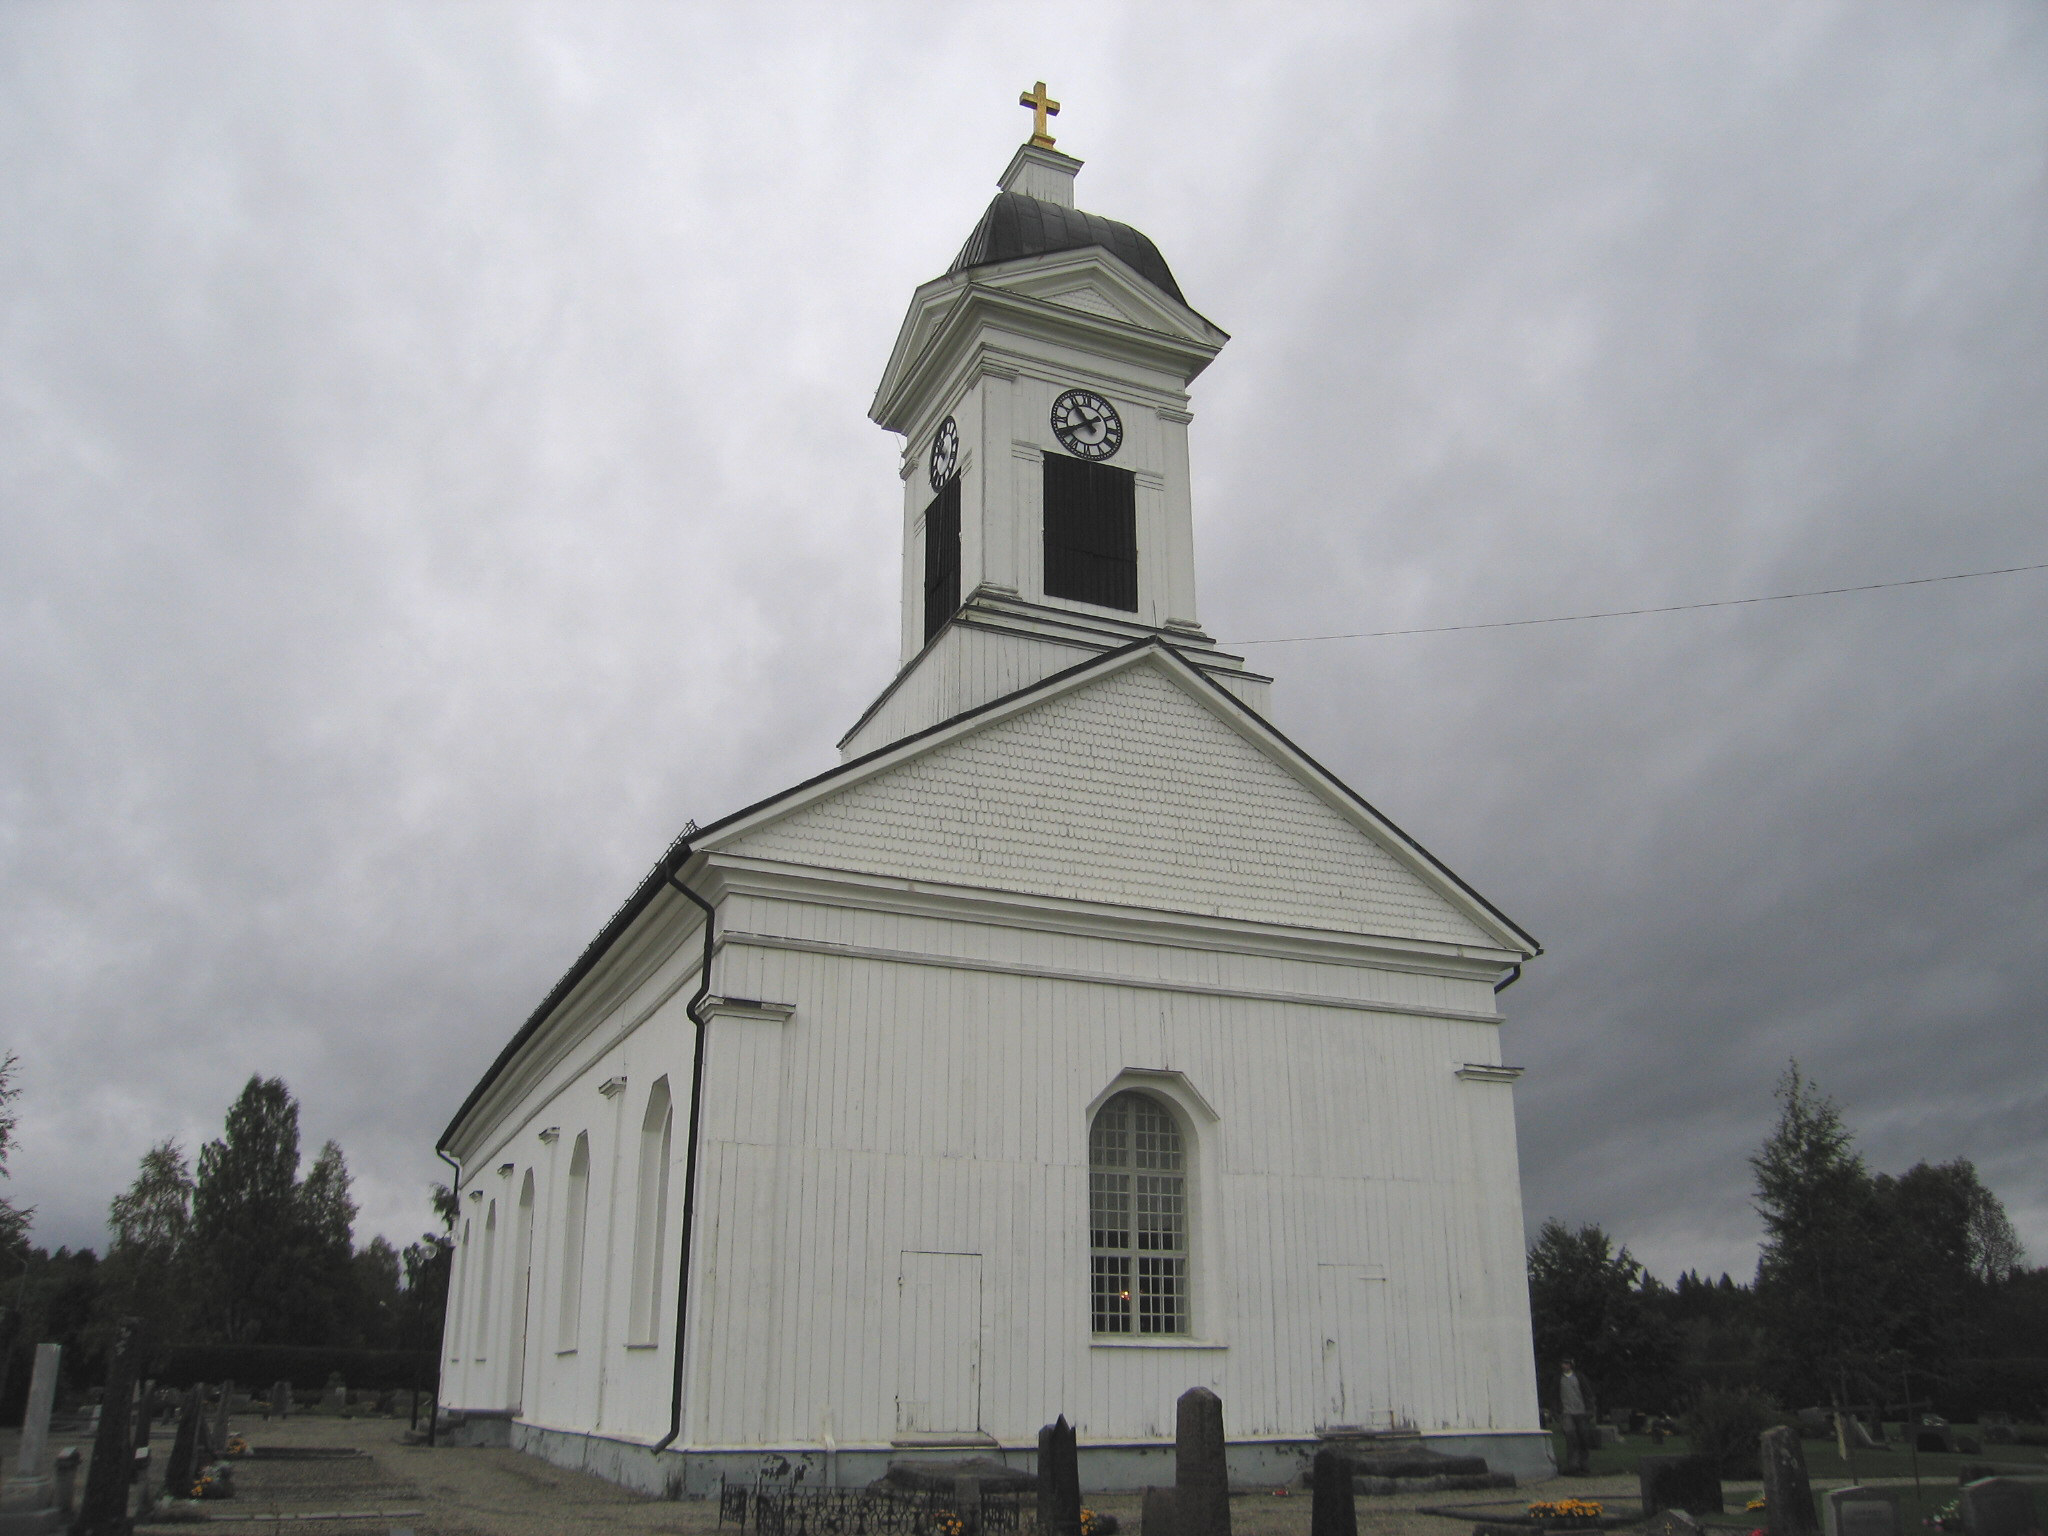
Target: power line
(1629, 613)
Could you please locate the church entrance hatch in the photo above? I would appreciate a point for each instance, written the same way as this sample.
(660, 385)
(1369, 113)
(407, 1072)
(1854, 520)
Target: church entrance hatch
(1357, 1385)
(938, 1349)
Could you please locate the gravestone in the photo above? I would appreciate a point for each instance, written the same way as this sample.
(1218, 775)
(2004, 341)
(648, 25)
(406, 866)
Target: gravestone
(1160, 1513)
(967, 1503)
(65, 1470)
(105, 1511)
(1690, 1483)
(1788, 1496)
(220, 1423)
(1198, 1503)
(336, 1397)
(1858, 1511)
(1998, 1506)
(1335, 1511)
(1201, 1479)
(1934, 1437)
(1671, 1522)
(179, 1473)
(28, 1499)
(1059, 1480)
(281, 1399)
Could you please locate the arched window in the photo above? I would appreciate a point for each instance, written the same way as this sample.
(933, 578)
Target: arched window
(650, 1215)
(1137, 1218)
(522, 1287)
(574, 1208)
(484, 1278)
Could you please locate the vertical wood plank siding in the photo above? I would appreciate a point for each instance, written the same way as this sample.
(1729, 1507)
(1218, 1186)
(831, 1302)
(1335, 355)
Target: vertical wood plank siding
(930, 1094)
(945, 1111)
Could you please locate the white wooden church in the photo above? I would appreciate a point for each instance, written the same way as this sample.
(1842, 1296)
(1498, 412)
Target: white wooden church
(1078, 1040)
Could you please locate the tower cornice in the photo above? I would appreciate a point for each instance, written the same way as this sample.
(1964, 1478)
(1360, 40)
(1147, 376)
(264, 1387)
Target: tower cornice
(945, 312)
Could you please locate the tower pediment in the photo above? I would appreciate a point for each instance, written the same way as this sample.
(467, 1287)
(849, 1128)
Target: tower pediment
(1088, 298)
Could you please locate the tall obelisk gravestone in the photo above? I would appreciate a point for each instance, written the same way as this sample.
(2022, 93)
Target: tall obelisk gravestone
(105, 1511)
(28, 1499)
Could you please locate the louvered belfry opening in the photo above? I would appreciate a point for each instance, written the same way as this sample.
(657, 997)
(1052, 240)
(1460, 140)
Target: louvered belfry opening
(1091, 533)
(942, 558)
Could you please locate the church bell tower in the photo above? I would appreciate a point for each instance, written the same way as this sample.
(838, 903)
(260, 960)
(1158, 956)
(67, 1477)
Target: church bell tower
(1040, 386)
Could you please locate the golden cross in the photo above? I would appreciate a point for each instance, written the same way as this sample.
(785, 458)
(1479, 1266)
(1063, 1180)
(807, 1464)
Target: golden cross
(1042, 106)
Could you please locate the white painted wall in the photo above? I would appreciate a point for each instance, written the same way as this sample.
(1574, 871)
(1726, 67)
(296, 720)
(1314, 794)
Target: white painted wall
(930, 1094)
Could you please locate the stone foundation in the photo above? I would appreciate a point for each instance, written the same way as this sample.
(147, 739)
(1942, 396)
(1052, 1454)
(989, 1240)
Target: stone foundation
(699, 1473)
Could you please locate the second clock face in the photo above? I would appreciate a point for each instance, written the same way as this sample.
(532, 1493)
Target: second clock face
(945, 453)
(1087, 425)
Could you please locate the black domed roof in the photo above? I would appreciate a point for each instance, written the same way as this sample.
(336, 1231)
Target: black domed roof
(1017, 224)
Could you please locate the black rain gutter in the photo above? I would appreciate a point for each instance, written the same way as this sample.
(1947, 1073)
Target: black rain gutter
(675, 1404)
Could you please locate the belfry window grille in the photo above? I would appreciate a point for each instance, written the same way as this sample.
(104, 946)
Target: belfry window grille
(1091, 533)
(1137, 1219)
(942, 558)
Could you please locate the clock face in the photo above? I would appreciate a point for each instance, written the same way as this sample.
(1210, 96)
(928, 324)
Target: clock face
(945, 453)
(1087, 425)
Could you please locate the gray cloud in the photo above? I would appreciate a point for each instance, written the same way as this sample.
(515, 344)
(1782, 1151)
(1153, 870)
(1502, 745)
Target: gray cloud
(434, 461)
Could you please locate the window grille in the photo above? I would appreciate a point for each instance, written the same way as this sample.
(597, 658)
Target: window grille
(1091, 532)
(1137, 1219)
(942, 558)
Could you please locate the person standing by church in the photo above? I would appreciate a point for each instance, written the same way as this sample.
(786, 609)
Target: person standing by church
(1575, 1406)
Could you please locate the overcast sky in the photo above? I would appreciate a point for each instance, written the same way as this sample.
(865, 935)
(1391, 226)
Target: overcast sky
(434, 465)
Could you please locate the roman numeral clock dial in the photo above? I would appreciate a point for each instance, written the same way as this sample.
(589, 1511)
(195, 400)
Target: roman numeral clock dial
(945, 453)
(1087, 425)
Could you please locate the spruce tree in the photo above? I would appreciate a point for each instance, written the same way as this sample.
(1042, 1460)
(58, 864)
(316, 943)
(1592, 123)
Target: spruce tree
(1818, 1286)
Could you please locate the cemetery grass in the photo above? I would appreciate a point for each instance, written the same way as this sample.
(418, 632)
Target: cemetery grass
(1940, 1473)
(466, 1492)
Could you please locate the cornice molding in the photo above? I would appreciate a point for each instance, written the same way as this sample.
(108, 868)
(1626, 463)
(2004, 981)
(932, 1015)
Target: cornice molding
(1125, 979)
(1481, 1072)
(746, 1007)
(748, 875)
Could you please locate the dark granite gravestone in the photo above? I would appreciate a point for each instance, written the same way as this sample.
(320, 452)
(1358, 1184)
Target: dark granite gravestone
(1788, 1496)
(1160, 1514)
(105, 1511)
(1059, 1480)
(178, 1466)
(1938, 1438)
(1998, 1506)
(1858, 1511)
(220, 1423)
(1690, 1483)
(967, 1503)
(1198, 1503)
(1201, 1479)
(1671, 1522)
(1335, 1511)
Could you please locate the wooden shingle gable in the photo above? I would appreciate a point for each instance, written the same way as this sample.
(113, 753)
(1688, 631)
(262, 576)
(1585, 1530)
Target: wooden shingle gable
(1132, 780)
